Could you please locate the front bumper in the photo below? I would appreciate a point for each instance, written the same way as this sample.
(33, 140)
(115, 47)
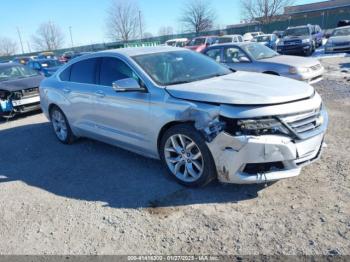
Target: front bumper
(294, 49)
(261, 159)
(26, 104)
(337, 49)
(311, 77)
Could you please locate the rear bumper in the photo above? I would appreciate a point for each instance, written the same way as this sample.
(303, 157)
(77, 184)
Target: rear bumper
(261, 159)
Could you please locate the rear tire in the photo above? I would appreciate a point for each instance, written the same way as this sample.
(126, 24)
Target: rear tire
(186, 156)
(61, 126)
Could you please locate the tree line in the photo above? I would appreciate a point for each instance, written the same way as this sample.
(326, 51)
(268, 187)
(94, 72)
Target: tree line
(125, 22)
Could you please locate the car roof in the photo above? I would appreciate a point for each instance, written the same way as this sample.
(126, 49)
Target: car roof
(44, 60)
(229, 35)
(230, 44)
(135, 51)
(342, 27)
(9, 64)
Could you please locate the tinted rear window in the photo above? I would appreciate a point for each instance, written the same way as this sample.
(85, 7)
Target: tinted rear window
(84, 71)
(65, 75)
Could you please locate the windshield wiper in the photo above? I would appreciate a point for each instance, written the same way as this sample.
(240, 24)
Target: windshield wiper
(178, 82)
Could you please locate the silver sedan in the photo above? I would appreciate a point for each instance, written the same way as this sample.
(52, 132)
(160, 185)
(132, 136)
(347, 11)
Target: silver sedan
(201, 119)
(254, 57)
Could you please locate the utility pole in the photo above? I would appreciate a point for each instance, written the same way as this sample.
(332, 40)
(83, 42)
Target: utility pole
(140, 26)
(29, 49)
(71, 36)
(20, 39)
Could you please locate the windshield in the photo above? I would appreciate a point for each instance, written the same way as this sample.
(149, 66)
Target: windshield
(15, 72)
(50, 63)
(222, 40)
(263, 38)
(259, 51)
(179, 67)
(197, 41)
(341, 32)
(298, 31)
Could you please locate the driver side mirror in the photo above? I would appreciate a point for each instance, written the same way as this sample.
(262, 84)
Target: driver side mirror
(127, 85)
(244, 59)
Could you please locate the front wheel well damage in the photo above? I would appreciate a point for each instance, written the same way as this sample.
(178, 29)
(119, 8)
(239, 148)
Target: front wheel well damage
(167, 127)
(271, 73)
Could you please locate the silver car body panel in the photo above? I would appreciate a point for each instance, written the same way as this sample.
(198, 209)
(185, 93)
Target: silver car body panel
(136, 120)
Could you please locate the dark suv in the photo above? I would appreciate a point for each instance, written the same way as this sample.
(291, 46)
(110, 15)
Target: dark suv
(301, 40)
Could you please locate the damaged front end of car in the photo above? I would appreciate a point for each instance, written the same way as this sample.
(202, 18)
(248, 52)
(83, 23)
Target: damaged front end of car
(254, 144)
(19, 101)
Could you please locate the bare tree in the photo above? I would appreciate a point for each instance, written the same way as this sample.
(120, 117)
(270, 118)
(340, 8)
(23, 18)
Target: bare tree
(124, 21)
(49, 37)
(8, 46)
(264, 11)
(198, 16)
(165, 30)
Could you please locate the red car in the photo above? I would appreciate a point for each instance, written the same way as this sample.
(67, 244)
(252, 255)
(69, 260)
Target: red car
(198, 44)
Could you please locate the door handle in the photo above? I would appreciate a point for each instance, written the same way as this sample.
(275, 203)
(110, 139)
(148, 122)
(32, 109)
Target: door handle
(66, 90)
(100, 93)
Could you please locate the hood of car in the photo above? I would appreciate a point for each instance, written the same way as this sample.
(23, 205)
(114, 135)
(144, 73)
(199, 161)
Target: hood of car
(243, 88)
(296, 61)
(21, 84)
(290, 38)
(340, 39)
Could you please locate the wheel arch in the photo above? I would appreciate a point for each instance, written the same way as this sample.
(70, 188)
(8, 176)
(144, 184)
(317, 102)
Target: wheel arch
(166, 127)
(271, 73)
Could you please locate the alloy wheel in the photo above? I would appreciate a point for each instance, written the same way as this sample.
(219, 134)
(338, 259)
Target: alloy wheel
(59, 125)
(184, 158)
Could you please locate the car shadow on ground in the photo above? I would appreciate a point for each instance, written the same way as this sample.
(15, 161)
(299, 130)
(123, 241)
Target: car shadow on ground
(93, 171)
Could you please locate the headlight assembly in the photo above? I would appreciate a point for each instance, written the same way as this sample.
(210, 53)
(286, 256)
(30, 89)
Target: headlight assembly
(300, 70)
(262, 126)
(305, 41)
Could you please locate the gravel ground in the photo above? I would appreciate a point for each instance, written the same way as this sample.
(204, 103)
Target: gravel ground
(91, 198)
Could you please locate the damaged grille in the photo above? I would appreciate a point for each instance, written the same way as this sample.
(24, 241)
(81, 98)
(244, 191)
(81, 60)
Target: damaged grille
(30, 92)
(303, 122)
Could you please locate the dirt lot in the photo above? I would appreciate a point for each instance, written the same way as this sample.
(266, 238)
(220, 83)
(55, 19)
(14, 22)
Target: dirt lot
(91, 198)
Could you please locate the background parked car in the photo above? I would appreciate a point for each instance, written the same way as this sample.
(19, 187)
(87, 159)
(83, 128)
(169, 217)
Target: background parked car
(198, 44)
(46, 67)
(177, 42)
(343, 23)
(250, 36)
(269, 40)
(339, 41)
(279, 34)
(23, 60)
(298, 40)
(229, 39)
(47, 55)
(254, 57)
(19, 89)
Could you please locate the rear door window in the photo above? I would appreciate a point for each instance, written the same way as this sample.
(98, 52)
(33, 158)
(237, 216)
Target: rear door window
(84, 71)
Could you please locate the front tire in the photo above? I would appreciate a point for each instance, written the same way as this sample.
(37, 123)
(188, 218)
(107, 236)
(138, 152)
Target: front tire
(61, 126)
(186, 156)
